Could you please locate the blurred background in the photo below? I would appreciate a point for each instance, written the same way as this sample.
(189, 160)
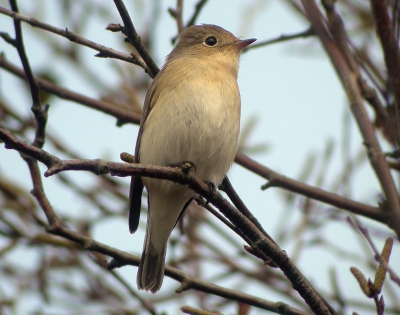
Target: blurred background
(295, 120)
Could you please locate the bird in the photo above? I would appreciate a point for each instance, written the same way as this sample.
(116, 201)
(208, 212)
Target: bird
(191, 113)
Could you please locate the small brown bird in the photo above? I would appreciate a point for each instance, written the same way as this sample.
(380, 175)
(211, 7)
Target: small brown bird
(191, 113)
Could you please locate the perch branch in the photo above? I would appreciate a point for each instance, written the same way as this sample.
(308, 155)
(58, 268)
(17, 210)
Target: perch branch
(258, 241)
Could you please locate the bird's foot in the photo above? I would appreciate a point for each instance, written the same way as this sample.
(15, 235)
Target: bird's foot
(210, 195)
(185, 166)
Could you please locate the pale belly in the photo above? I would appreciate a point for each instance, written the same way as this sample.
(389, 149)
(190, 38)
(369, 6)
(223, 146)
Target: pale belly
(196, 132)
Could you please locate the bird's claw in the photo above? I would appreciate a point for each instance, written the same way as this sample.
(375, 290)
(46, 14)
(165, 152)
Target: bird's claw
(210, 195)
(185, 166)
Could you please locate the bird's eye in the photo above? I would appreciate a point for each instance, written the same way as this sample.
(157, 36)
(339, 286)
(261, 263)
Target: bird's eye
(211, 41)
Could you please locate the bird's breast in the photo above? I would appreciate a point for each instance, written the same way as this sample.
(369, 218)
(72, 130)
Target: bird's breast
(195, 120)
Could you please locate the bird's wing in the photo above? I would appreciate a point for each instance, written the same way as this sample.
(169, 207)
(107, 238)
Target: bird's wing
(135, 193)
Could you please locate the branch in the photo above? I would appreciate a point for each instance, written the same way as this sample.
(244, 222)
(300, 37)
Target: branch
(383, 119)
(189, 282)
(135, 293)
(220, 217)
(39, 112)
(19, 44)
(278, 180)
(227, 187)
(384, 29)
(104, 52)
(121, 258)
(121, 114)
(377, 255)
(177, 15)
(197, 9)
(349, 79)
(195, 311)
(307, 33)
(98, 166)
(125, 116)
(39, 193)
(135, 40)
(258, 241)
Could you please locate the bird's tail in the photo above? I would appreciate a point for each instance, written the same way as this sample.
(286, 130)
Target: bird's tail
(151, 268)
(164, 211)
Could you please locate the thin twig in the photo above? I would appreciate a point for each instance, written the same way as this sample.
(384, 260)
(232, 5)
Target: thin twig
(278, 180)
(349, 79)
(146, 304)
(225, 221)
(39, 112)
(377, 255)
(195, 311)
(121, 258)
(177, 15)
(19, 44)
(307, 33)
(384, 29)
(336, 28)
(104, 52)
(123, 115)
(197, 9)
(39, 193)
(227, 187)
(189, 282)
(135, 40)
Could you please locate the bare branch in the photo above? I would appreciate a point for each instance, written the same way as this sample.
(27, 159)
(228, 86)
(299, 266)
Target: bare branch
(39, 112)
(104, 51)
(195, 311)
(283, 38)
(189, 282)
(39, 193)
(349, 79)
(19, 44)
(134, 38)
(177, 15)
(123, 116)
(277, 180)
(377, 255)
(227, 187)
(257, 239)
(197, 9)
(386, 35)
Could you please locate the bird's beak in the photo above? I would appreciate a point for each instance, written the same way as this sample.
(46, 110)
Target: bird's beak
(241, 44)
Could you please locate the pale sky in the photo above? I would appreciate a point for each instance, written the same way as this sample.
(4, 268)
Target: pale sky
(290, 88)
